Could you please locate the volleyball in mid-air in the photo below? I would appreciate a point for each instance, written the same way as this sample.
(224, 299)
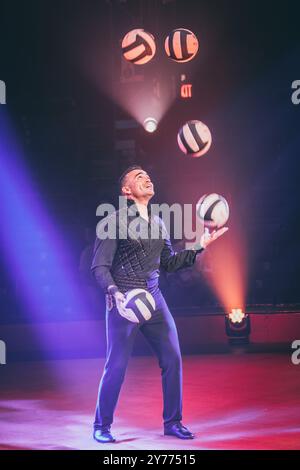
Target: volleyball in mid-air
(138, 46)
(213, 210)
(194, 138)
(181, 45)
(139, 306)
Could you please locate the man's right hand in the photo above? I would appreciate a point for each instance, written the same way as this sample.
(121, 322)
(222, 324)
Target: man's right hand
(120, 299)
(123, 311)
(118, 296)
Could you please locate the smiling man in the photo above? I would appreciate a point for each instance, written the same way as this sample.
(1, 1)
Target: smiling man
(122, 264)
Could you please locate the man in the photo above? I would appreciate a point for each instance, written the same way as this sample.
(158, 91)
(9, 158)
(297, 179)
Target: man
(126, 263)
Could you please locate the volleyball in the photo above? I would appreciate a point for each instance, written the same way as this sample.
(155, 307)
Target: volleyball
(194, 138)
(213, 210)
(181, 45)
(138, 46)
(139, 306)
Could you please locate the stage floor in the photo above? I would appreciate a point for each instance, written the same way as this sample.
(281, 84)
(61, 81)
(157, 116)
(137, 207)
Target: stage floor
(246, 401)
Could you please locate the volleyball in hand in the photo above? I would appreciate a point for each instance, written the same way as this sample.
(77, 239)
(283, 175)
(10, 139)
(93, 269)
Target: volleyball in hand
(213, 210)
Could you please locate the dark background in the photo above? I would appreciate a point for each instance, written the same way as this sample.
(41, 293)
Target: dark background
(61, 63)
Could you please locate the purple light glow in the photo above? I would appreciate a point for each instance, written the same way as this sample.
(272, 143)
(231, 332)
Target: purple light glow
(34, 251)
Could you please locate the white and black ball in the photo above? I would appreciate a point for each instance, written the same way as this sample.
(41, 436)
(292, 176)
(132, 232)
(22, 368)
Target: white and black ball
(194, 138)
(181, 45)
(138, 46)
(139, 305)
(213, 210)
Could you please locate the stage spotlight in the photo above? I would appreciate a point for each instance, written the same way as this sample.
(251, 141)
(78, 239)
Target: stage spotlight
(237, 326)
(150, 124)
(237, 315)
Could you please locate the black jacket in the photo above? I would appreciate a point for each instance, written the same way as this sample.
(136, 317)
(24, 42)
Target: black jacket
(129, 261)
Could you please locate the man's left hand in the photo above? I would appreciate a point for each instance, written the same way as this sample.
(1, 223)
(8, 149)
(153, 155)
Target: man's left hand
(208, 238)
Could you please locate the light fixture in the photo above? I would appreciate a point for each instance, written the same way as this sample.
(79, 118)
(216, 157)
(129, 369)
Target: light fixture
(237, 315)
(150, 124)
(238, 327)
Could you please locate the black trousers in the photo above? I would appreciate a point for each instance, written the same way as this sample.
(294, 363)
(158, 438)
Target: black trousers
(160, 331)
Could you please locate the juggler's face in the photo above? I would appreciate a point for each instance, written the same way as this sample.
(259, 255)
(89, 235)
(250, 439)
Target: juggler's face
(138, 185)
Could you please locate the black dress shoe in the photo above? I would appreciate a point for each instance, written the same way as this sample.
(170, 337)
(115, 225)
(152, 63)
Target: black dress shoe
(103, 435)
(178, 430)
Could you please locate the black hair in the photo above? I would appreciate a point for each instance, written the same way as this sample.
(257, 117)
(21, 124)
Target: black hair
(125, 173)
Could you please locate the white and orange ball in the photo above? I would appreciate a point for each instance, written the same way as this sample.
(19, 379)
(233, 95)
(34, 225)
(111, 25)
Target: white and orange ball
(138, 46)
(194, 138)
(181, 45)
(213, 210)
(139, 306)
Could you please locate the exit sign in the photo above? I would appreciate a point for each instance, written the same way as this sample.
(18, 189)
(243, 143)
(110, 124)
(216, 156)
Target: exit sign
(186, 90)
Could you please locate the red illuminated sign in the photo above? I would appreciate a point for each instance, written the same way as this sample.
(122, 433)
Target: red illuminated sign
(186, 90)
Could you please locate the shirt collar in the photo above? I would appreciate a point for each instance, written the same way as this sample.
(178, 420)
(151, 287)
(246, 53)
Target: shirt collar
(133, 209)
